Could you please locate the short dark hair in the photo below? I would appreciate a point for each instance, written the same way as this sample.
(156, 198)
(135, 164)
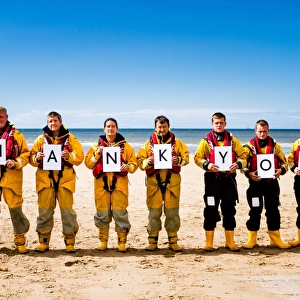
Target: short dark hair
(111, 119)
(53, 114)
(261, 123)
(218, 115)
(161, 120)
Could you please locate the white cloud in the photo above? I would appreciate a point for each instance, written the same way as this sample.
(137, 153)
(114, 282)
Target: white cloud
(179, 118)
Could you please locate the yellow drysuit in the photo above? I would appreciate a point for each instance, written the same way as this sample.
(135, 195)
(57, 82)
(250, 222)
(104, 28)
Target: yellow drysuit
(11, 181)
(113, 203)
(45, 185)
(155, 197)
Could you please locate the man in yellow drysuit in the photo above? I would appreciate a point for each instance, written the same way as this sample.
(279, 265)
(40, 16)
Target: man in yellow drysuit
(52, 185)
(11, 177)
(163, 185)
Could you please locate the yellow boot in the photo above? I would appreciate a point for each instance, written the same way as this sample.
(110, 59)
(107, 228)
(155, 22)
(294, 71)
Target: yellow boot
(173, 242)
(44, 239)
(103, 237)
(252, 236)
(296, 242)
(20, 242)
(209, 240)
(229, 237)
(276, 241)
(122, 238)
(153, 240)
(69, 239)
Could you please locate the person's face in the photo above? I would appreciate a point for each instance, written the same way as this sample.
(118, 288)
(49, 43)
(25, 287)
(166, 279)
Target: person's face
(218, 125)
(3, 119)
(54, 124)
(110, 128)
(161, 128)
(262, 131)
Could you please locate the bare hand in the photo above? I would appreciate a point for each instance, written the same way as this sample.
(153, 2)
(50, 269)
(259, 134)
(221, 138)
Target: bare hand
(10, 164)
(65, 154)
(253, 176)
(297, 171)
(124, 168)
(151, 160)
(233, 167)
(40, 156)
(175, 160)
(99, 150)
(213, 167)
(277, 173)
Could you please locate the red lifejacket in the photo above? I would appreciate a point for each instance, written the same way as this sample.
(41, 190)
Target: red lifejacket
(212, 141)
(119, 142)
(296, 155)
(256, 149)
(63, 140)
(12, 148)
(154, 140)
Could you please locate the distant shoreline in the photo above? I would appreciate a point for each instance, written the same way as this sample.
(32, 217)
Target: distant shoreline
(172, 128)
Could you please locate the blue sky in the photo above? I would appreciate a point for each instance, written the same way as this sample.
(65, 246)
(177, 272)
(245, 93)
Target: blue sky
(134, 60)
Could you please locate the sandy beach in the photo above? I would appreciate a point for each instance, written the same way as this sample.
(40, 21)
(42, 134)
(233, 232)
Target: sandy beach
(260, 273)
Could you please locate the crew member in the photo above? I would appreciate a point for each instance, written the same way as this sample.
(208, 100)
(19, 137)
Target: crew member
(52, 185)
(163, 185)
(111, 188)
(11, 177)
(220, 184)
(264, 192)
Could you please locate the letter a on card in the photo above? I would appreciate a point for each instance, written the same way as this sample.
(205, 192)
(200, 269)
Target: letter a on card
(111, 159)
(223, 157)
(162, 156)
(52, 158)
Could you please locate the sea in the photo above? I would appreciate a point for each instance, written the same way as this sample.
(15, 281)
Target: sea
(191, 137)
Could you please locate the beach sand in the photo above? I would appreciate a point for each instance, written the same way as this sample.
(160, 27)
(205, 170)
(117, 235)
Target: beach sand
(260, 273)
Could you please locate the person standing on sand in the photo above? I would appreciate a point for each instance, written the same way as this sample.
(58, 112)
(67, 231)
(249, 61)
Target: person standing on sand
(220, 185)
(111, 188)
(11, 177)
(52, 185)
(163, 185)
(293, 161)
(264, 192)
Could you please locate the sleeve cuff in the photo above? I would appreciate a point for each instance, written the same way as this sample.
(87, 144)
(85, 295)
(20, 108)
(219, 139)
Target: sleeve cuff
(205, 165)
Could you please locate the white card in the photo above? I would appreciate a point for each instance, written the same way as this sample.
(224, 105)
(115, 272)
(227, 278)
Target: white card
(162, 156)
(255, 202)
(265, 165)
(2, 151)
(223, 157)
(52, 158)
(211, 201)
(111, 159)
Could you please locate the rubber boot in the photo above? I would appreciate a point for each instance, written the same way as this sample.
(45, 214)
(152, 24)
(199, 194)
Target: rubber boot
(103, 237)
(122, 238)
(44, 239)
(209, 240)
(229, 237)
(252, 236)
(20, 242)
(295, 242)
(153, 240)
(69, 239)
(276, 241)
(173, 242)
